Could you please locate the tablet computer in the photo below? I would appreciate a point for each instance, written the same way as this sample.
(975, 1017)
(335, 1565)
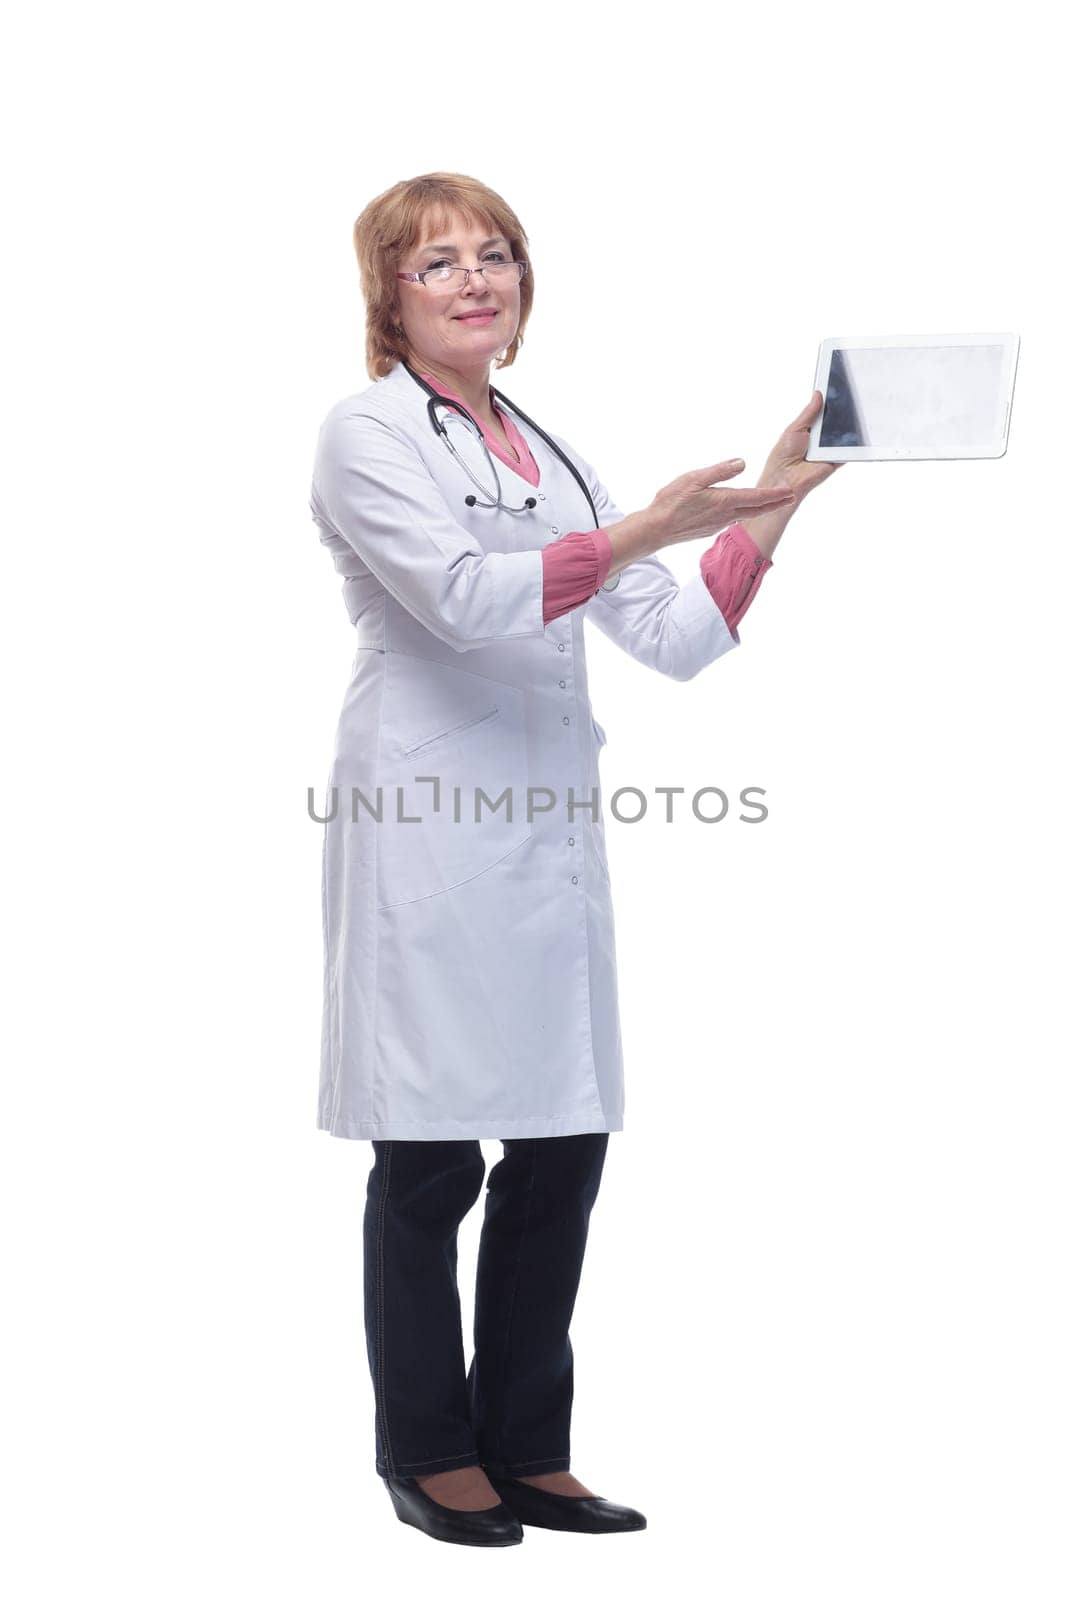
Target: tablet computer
(914, 397)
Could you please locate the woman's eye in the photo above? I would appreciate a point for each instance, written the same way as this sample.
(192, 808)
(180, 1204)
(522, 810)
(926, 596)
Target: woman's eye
(444, 262)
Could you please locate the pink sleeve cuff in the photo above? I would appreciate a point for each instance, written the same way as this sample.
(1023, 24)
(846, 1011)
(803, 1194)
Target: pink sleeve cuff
(733, 569)
(574, 569)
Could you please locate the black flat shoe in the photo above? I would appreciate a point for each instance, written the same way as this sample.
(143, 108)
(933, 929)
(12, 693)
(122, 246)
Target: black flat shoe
(494, 1525)
(569, 1513)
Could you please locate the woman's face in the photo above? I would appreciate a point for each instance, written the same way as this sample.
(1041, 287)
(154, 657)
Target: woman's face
(436, 320)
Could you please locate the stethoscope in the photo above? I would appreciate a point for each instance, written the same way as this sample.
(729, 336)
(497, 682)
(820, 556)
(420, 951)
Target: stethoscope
(438, 425)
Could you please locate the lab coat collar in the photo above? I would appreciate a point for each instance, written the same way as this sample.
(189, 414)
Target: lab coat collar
(401, 381)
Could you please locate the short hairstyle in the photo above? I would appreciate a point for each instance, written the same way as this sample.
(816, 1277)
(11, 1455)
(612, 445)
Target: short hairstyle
(393, 223)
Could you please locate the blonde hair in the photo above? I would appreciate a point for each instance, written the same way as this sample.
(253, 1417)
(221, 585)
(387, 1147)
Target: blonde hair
(392, 224)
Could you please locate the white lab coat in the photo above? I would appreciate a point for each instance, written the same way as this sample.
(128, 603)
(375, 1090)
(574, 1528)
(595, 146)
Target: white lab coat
(469, 966)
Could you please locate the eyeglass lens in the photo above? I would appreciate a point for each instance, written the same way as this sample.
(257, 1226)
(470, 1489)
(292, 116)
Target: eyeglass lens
(495, 272)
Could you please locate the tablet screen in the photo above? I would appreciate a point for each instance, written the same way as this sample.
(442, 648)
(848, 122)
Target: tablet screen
(929, 397)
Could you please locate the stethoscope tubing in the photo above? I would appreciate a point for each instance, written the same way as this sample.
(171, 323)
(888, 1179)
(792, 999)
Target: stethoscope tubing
(438, 426)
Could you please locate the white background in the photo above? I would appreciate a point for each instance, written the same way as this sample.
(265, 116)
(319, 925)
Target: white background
(820, 1335)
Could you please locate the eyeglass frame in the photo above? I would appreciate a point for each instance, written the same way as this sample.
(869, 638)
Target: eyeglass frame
(420, 277)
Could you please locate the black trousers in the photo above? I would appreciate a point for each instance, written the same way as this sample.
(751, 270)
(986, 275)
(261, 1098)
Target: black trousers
(511, 1411)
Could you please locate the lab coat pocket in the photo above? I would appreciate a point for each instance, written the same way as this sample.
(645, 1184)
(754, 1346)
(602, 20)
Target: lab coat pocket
(453, 772)
(431, 743)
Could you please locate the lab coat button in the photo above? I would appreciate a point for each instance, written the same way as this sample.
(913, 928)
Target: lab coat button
(563, 683)
(570, 841)
(540, 497)
(566, 719)
(561, 647)
(555, 530)
(574, 880)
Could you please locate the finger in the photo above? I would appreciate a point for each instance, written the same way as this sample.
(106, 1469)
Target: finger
(756, 499)
(809, 413)
(722, 469)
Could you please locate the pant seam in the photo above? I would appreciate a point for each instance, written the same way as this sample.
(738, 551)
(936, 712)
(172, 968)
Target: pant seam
(405, 1467)
(505, 1404)
(386, 1441)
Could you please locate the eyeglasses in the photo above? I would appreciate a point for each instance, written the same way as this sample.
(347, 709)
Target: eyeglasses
(439, 278)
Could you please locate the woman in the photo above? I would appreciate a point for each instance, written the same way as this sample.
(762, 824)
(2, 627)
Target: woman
(470, 983)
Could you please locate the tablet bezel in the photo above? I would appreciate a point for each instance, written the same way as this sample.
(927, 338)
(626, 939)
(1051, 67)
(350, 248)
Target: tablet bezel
(996, 444)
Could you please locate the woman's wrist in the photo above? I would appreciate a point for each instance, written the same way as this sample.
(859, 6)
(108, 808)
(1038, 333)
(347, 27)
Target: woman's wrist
(632, 538)
(766, 528)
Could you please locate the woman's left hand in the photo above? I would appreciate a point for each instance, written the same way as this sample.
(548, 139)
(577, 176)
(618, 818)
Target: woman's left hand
(786, 463)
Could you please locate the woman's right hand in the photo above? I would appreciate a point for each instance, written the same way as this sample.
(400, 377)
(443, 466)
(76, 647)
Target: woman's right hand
(689, 508)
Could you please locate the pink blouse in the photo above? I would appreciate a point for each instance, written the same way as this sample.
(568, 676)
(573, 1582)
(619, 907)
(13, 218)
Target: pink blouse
(576, 566)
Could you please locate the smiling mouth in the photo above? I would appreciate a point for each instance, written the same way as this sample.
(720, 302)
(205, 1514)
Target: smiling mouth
(473, 316)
